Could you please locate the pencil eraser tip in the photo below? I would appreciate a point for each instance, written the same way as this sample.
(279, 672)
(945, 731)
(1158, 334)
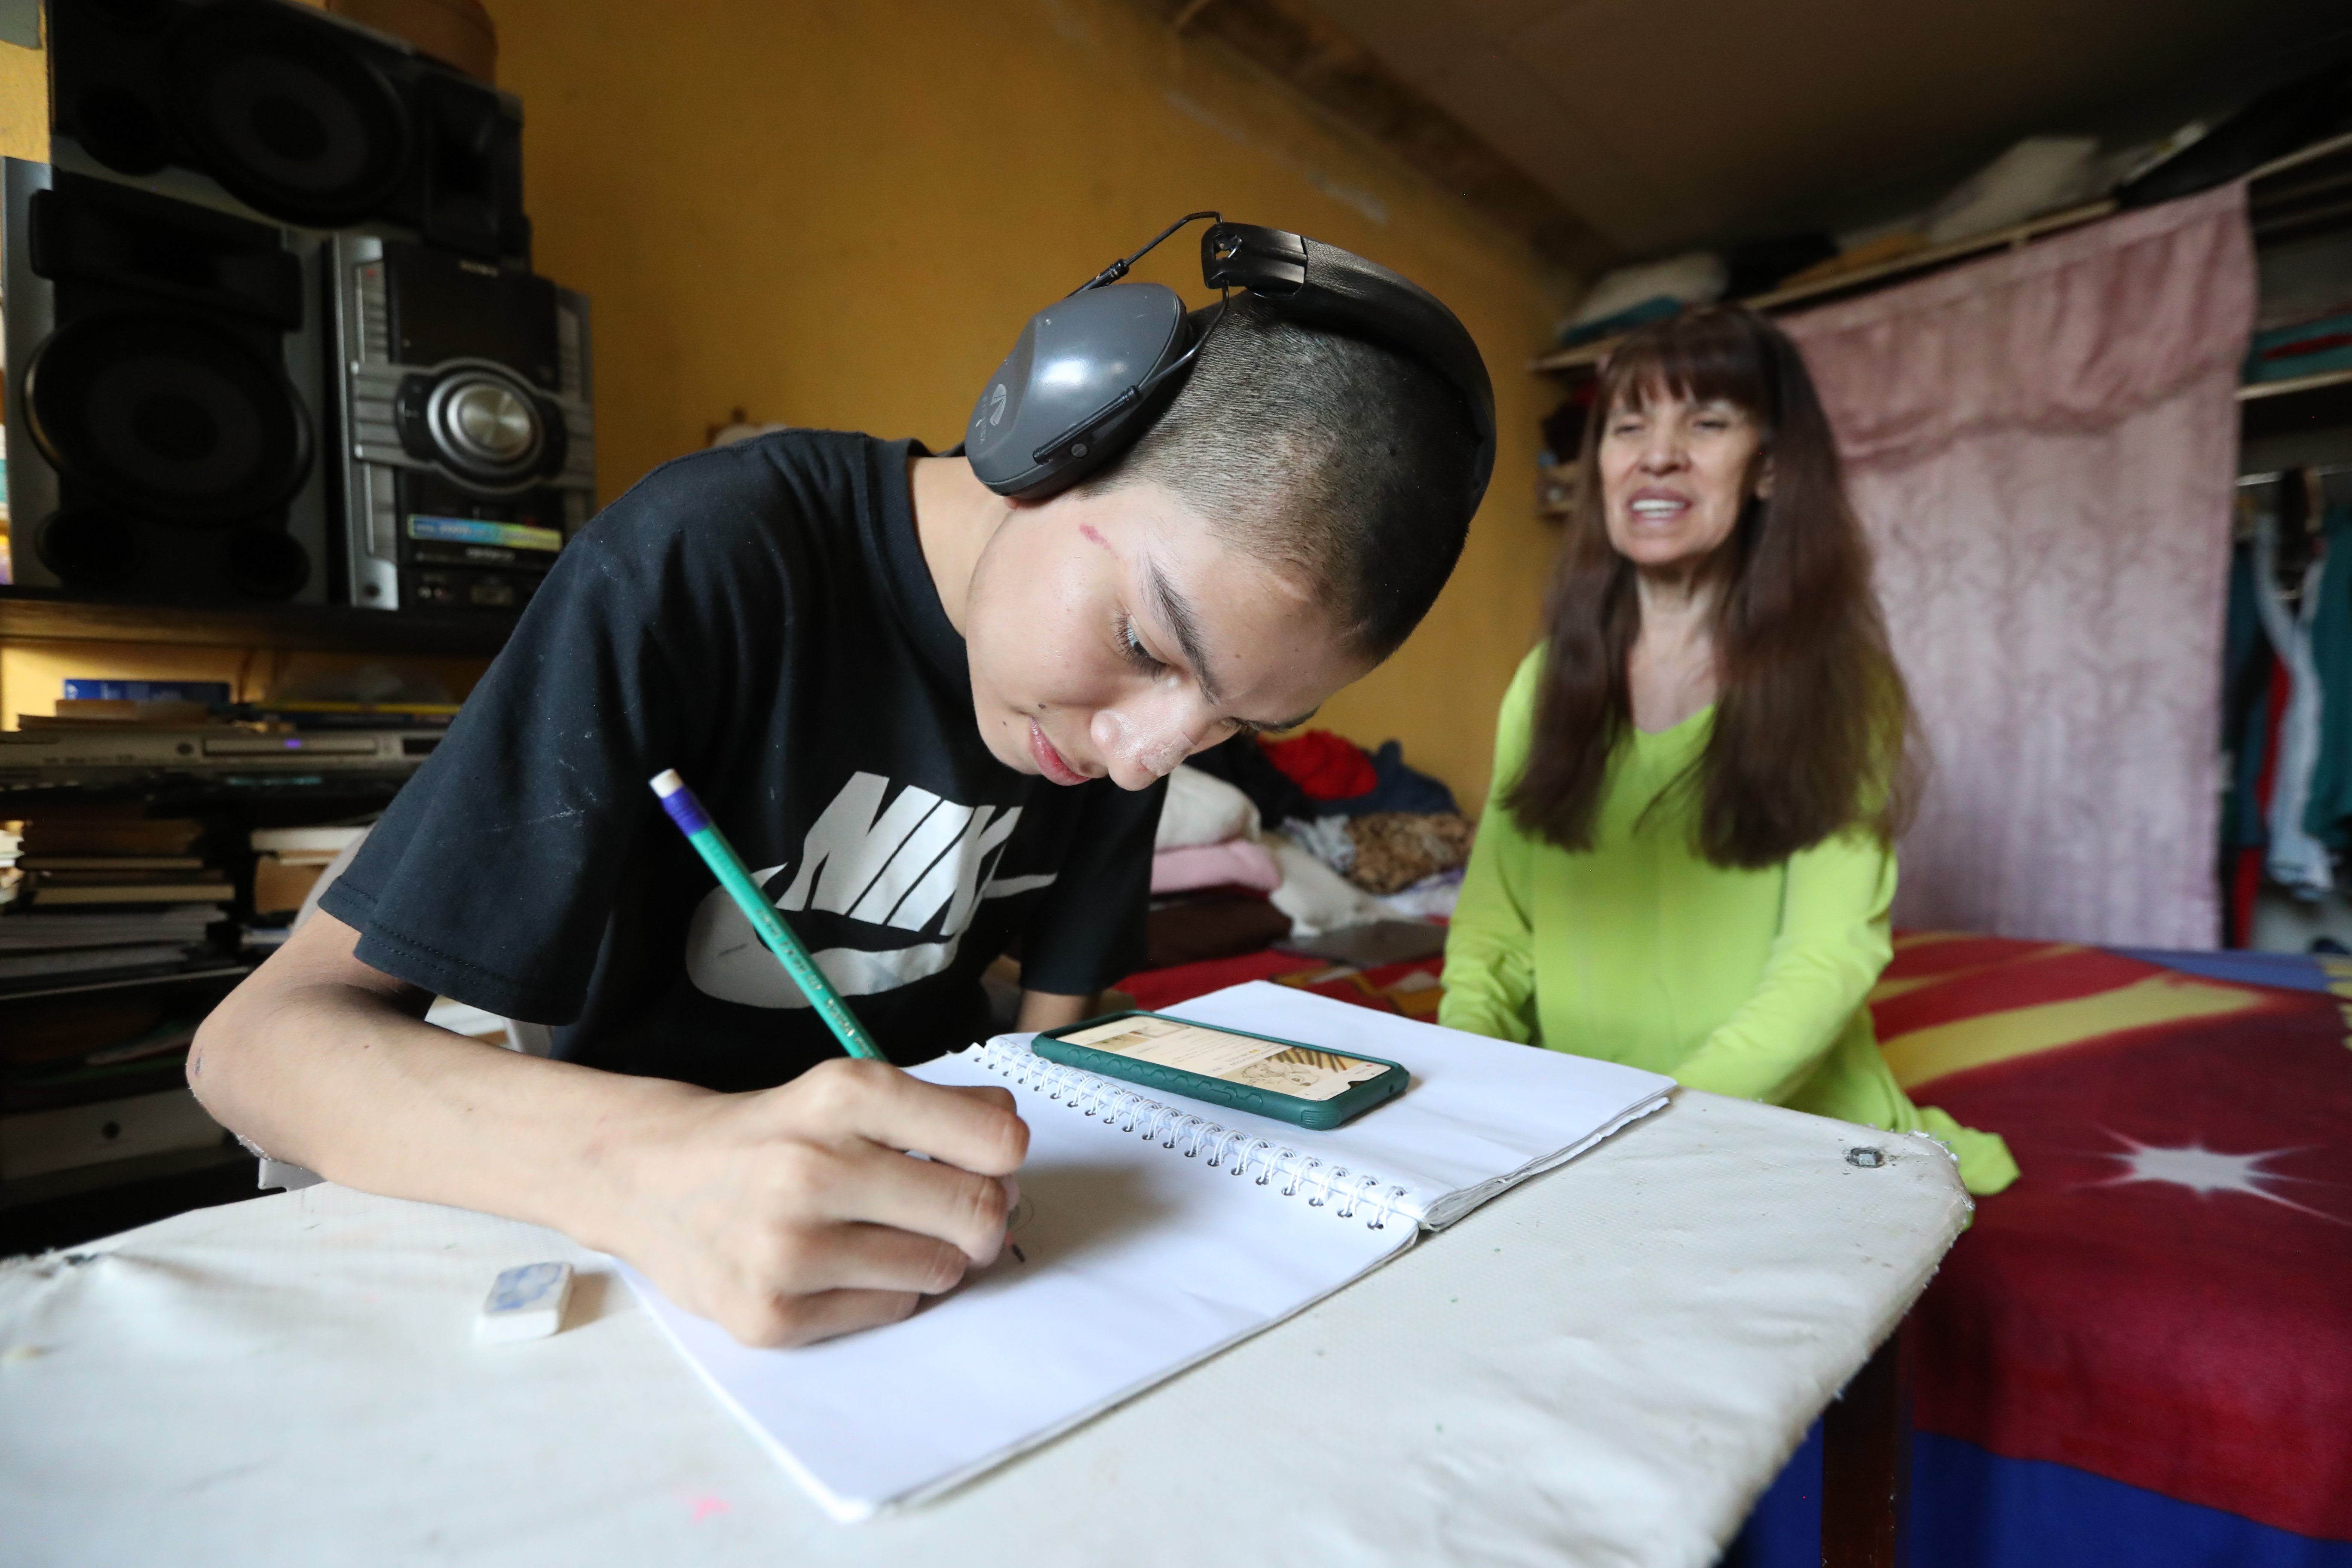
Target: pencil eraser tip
(525, 1303)
(666, 783)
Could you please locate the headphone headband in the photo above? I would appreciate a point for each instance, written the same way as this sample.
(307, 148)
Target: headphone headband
(1089, 373)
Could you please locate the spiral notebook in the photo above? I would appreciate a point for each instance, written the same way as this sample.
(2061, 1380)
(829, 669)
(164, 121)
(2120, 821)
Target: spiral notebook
(1154, 1232)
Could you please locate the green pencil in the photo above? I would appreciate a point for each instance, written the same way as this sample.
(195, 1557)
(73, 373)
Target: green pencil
(719, 856)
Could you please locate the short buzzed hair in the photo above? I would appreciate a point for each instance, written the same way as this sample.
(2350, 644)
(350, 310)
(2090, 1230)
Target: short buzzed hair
(1322, 454)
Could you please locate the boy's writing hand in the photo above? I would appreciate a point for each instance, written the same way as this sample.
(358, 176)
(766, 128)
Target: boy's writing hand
(792, 1215)
(786, 1216)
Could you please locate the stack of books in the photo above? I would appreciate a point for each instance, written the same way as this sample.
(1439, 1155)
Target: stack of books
(108, 963)
(102, 892)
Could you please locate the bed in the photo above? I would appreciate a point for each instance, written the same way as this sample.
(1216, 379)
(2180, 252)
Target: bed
(2142, 1351)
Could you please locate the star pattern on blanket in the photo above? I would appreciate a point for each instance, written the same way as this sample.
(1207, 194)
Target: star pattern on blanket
(2206, 1171)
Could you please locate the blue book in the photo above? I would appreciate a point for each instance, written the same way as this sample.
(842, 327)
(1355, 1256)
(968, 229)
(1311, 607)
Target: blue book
(209, 692)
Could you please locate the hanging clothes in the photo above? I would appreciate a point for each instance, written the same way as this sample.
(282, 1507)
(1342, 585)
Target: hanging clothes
(2247, 663)
(2248, 668)
(2246, 883)
(2297, 861)
(2327, 817)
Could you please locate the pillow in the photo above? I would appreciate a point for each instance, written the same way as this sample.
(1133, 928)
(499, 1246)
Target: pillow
(1202, 810)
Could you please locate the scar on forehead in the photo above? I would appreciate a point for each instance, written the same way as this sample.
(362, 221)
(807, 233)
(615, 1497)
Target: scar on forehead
(1089, 529)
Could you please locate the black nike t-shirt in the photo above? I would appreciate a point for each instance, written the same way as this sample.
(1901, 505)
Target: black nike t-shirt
(761, 618)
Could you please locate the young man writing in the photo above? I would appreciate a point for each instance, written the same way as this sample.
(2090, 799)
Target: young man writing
(932, 721)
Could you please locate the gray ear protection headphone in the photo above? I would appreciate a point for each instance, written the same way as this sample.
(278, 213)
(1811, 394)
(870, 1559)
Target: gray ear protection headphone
(1089, 374)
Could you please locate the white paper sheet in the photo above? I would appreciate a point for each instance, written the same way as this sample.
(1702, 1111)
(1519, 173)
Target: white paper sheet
(1136, 1261)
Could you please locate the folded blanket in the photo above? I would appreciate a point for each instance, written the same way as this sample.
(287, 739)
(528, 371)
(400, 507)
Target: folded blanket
(1235, 863)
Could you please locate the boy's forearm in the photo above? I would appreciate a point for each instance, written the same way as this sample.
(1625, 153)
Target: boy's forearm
(336, 1077)
(1053, 1010)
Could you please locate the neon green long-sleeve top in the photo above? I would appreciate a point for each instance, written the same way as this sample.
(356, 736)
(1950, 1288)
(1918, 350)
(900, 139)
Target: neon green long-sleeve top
(1638, 951)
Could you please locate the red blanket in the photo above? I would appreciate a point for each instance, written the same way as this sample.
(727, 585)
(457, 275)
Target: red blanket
(2166, 1298)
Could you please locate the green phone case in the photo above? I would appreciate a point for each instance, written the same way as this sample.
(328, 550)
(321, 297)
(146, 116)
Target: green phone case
(1316, 1115)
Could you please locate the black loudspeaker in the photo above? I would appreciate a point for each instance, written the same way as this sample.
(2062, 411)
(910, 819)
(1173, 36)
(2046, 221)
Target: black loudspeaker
(299, 116)
(164, 364)
(468, 422)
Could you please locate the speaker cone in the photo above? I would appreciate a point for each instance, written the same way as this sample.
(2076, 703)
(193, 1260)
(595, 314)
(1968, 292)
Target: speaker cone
(290, 119)
(89, 549)
(167, 416)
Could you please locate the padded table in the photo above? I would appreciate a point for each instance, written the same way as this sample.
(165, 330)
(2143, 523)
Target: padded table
(1605, 1365)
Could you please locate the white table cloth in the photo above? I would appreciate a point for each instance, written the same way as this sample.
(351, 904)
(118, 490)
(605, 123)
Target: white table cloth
(1604, 1366)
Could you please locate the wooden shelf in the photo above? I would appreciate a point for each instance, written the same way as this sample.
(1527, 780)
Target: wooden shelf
(30, 615)
(2304, 193)
(2296, 424)
(2255, 391)
(2318, 197)
(1588, 356)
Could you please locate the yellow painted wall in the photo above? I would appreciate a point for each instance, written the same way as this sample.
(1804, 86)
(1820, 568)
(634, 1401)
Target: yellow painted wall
(840, 213)
(24, 103)
(24, 133)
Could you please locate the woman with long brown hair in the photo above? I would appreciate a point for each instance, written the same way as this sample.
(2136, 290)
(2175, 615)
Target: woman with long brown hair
(1687, 858)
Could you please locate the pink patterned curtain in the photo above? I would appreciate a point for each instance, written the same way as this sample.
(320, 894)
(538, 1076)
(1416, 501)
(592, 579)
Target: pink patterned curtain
(2043, 446)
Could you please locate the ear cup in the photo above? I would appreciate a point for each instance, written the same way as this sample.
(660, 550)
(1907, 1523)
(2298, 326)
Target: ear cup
(1069, 395)
(1077, 388)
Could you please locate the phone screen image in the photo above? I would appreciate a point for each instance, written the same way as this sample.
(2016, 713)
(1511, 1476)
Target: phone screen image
(1299, 1071)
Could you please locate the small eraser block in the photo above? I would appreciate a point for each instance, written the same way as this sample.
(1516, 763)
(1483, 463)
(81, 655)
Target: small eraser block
(525, 1303)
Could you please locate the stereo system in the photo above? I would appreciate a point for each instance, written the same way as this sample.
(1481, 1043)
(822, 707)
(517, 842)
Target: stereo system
(470, 451)
(272, 333)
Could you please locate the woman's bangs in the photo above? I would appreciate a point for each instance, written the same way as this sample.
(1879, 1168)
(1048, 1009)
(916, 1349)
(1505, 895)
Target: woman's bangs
(1698, 357)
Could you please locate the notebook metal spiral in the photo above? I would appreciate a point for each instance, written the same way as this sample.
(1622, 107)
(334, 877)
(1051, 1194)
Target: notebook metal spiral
(1173, 1127)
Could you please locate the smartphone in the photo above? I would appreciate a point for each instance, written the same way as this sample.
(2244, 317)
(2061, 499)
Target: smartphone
(1304, 1084)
